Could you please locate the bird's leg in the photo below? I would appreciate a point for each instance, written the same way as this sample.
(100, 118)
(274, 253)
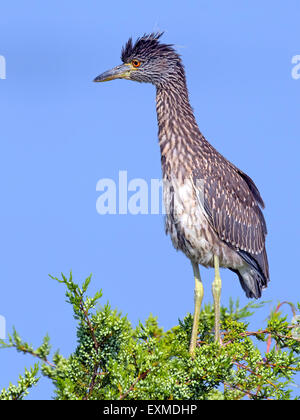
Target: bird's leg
(216, 290)
(198, 299)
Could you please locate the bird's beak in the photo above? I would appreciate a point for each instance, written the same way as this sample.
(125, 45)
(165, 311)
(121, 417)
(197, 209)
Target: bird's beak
(119, 72)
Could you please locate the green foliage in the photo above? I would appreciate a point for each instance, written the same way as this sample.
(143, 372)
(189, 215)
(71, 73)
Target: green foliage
(115, 361)
(25, 382)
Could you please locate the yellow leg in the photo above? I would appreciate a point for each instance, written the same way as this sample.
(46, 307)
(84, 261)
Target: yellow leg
(216, 290)
(198, 300)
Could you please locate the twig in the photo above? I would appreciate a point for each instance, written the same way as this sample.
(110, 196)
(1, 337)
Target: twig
(139, 378)
(33, 353)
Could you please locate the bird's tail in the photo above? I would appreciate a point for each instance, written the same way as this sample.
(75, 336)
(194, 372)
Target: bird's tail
(254, 275)
(251, 281)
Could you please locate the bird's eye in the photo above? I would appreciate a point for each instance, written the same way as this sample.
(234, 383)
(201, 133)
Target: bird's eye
(136, 63)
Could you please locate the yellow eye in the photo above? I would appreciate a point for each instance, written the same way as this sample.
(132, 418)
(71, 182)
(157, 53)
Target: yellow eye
(136, 63)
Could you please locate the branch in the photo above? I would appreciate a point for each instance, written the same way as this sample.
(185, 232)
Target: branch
(139, 378)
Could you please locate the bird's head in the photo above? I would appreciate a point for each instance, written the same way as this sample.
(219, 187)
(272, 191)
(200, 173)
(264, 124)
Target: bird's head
(147, 60)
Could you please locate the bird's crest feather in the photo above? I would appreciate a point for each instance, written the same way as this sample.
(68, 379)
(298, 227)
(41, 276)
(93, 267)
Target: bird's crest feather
(144, 45)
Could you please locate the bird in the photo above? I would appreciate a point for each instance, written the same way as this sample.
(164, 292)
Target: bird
(213, 209)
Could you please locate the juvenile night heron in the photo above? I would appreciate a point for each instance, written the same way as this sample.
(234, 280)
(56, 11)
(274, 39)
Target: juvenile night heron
(213, 209)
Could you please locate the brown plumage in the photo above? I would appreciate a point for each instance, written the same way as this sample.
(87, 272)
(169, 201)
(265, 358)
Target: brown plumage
(231, 225)
(213, 209)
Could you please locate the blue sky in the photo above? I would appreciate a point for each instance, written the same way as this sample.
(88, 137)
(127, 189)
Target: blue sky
(61, 133)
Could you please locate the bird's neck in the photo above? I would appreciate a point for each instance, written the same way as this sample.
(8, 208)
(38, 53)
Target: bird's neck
(178, 130)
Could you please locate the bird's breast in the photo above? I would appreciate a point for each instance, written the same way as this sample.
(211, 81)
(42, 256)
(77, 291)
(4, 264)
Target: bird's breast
(189, 228)
(186, 222)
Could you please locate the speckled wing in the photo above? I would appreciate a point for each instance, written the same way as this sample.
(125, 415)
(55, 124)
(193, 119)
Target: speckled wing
(232, 203)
